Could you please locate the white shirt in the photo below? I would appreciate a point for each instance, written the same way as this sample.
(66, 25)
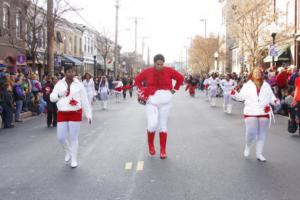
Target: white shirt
(77, 92)
(89, 87)
(255, 104)
(227, 86)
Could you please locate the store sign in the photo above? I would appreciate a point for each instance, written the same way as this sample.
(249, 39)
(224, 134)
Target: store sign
(273, 50)
(21, 59)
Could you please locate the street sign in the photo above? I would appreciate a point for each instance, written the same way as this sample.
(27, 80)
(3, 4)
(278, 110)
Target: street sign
(273, 50)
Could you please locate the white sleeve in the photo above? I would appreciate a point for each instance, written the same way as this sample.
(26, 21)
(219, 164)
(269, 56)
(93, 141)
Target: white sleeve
(54, 94)
(240, 96)
(85, 103)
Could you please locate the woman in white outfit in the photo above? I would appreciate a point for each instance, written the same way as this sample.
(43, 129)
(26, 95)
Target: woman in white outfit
(103, 92)
(257, 96)
(89, 86)
(71, 100)
(212, 88)
(227, 85)
(118, 89)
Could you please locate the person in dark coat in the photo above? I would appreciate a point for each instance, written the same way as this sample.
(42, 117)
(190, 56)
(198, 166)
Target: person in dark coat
(7, 103)
(51, 107)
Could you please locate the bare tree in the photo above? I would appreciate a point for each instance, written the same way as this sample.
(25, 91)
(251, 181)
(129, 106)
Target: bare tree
(55, 10)
(249, 27)
(105, 47)
(201, 54)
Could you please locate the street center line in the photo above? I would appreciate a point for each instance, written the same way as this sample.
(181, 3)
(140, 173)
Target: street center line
(140, 166)
(128, 166)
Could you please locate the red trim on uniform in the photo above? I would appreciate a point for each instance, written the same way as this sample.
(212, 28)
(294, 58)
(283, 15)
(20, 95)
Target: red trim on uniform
(257, 116)
(67, 116)
(119, 89)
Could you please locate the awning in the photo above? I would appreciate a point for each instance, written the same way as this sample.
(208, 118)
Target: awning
(70, 60)
(284, 54)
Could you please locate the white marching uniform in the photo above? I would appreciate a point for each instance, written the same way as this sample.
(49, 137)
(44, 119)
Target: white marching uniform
(89, 86)
(212, 90)
(227, 86)
(70, 106)
(257, 113)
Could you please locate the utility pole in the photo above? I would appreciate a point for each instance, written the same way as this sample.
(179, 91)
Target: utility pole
(143, 46)
(204, 20)
(116, 38)
(148, 58)
(136, 19)
(50, 35)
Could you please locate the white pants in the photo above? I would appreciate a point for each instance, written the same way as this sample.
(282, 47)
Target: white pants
(158, 108)
(227, 99)
(256, 129)
(67, 133)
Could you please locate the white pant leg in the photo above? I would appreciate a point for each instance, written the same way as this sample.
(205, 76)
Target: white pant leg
(74, 128)
(227, 100)
(252, 127)
(164, 111)
(262, 130)
(152, 117)
(62, 132)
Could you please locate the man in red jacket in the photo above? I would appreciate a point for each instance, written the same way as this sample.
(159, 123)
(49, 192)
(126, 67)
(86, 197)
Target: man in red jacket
(155, 85)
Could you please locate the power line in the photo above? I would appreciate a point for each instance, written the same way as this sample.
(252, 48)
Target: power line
(76, 11)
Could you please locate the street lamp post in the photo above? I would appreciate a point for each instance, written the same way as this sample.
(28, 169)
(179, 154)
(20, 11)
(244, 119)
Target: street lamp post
(274, 30)
(216, 55)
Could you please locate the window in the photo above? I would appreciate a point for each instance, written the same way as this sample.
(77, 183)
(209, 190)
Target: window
(6, 14)
(39, 39)
(89, 45)
(44, 38)
(18, 25)
(70, 45)
(85, 43)
(80, 46)
(75, 45)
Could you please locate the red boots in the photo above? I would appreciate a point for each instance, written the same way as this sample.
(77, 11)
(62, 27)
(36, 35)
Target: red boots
(151, 136)
(163, 143)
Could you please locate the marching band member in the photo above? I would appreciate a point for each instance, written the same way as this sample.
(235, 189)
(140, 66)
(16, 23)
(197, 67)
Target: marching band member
(227, 85)
(71, 100)
(257, 96)
(157, 95)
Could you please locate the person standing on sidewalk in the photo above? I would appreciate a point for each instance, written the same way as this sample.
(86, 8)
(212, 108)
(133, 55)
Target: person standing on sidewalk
(157, 95)
(19, 96)
(71, 100)
(51, 107)
(257, 95)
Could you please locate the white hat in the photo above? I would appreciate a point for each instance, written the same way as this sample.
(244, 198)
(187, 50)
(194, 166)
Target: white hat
(280, 69)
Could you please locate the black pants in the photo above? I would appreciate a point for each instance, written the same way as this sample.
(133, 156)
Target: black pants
(52, 116)
(124, 94)
(7, 116)
(130, 93)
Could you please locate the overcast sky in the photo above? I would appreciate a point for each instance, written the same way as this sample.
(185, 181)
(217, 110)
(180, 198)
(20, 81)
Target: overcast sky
(167, 23)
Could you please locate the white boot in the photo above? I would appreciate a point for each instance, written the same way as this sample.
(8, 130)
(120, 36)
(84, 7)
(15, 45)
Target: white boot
(229, 109)
(104, 105)
(74, 151)
(67, 150)
(259, 150)
(247, 149)
(213, 102)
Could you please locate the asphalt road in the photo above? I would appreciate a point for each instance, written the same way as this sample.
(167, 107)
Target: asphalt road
(205, 158)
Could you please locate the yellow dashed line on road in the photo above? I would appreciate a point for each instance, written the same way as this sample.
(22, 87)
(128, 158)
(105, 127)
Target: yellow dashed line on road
(128, 166)
(140, 166)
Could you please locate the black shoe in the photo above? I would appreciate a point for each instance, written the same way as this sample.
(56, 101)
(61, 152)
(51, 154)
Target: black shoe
(48, 126)
(54, 125)
(19, 120)
(11, 126)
